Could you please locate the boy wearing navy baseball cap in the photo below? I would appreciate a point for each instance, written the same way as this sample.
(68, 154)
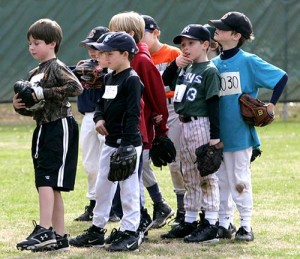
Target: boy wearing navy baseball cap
(117, 118)
(116, 41)
(241, 72)
(90, 141)
(196, 100)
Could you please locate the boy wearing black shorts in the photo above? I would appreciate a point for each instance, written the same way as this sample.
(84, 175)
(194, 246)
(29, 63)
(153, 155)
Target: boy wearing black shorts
(55, 138)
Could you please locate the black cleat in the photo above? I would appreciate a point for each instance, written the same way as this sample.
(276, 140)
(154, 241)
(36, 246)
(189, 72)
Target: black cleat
(113, 235)
(181, 230)
(145, 222)
(125, 241)
(92, 237)
(243, 235)
(62, 245)
(178, 218)
(204, 233)
(226, 233)
(161, 212)
(87, 215)
(40, 238)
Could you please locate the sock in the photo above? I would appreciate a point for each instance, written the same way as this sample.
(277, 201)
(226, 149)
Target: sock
(212, 217)
(190, 216)
(155, 193)
(96, 229)
(224, 221)
(246, 223)
(180, 204)
(92, 203)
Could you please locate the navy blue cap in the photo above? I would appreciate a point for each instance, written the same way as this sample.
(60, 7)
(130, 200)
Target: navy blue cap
(116, 41)
(150, 23)
(193, 31)
(94, 35)
(95, 45)
(234, 21)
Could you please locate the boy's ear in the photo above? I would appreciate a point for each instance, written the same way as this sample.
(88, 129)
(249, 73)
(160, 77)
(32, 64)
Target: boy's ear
(156, 32)
(206, 44)
(237, 36)
(131, 33)
(53, 44)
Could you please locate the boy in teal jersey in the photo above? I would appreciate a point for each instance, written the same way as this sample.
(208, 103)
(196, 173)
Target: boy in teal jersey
(241, 72)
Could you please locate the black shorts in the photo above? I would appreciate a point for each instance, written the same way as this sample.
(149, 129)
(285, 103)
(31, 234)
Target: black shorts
(55, 153)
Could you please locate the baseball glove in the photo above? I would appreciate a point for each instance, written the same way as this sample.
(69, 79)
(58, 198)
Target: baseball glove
(163, 151)
(25, 91)
(256, 152)
(254, 111)
(90, 73)
(122, 163)
(209, 158)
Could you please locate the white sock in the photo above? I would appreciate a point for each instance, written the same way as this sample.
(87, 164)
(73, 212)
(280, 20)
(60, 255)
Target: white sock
(211, 216)
(190, 216)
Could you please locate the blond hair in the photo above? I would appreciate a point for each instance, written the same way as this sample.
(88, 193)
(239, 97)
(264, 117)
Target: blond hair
(130, 22)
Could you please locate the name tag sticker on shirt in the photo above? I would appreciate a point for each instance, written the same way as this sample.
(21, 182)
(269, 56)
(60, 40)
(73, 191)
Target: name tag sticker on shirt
(230, 83)
(179, 93)
(110, 92)
(37, 78)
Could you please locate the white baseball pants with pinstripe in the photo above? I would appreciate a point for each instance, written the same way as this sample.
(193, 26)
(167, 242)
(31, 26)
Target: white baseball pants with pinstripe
(201, 192)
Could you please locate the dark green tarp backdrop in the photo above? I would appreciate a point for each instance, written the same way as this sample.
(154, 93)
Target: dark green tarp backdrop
(276, 26)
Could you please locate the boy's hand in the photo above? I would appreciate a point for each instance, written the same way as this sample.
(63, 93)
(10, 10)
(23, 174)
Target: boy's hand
(18, 103)
(183, 61)
(31, 95)
(100, 127)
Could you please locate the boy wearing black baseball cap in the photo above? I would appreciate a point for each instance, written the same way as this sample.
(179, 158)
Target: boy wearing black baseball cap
(90, 141)
(117, 118)
(196, 100)
(241, 72)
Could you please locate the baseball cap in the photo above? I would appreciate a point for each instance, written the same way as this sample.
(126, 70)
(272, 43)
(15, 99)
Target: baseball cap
(94, 35)
(150, 23)
(193, 31)
(116, 41)
(234, 21)
(95, 45)
(211, 30)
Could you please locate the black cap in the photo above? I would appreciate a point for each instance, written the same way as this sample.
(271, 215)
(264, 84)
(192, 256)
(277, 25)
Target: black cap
(234, 21)
(150, 23)
(211, 30)
(117, 41)
(94, 35)
(95, 45)
(193, 31)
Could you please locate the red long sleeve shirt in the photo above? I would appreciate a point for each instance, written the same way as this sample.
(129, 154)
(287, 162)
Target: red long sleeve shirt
(154, 95)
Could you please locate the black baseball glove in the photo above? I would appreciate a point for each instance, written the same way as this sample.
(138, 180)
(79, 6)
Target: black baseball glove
(30, 93)
(209, 158)
(163, 151)
(122, 163)
(256, 152)
(90, 73)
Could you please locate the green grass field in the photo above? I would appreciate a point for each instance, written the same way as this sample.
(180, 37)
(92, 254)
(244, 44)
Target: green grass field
(276, 187)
